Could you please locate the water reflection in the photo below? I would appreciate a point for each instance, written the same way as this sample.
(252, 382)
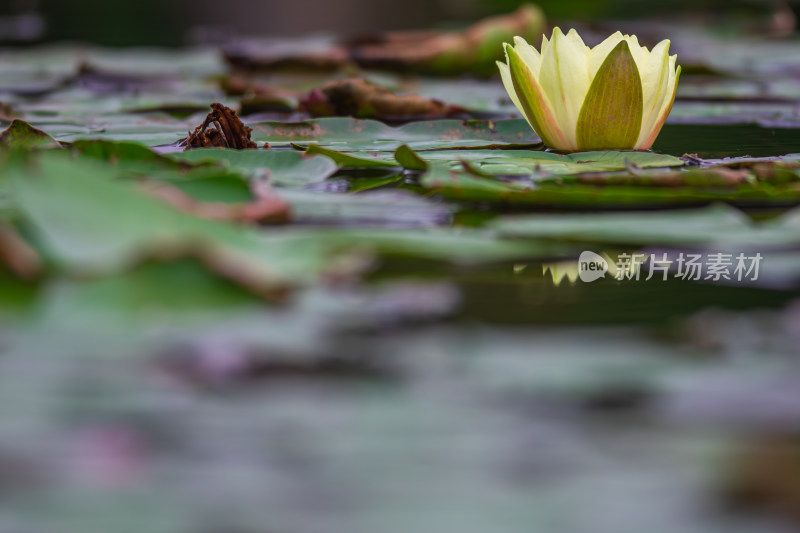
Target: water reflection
(570, 270)
(563, 270)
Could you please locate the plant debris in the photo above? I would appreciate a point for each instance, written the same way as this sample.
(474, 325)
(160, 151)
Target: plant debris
(767, 476)
(473, 50)
(358, 98)
(220, 129)
(432, 52)
(270, 56)
(17, 256)
(8, 113)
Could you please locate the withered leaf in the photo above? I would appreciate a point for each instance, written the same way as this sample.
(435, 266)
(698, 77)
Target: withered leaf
(358, 98)
(473, 50)
(17, 255)
(220, 129)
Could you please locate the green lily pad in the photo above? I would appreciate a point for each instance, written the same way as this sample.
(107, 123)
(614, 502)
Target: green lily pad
(210, 185)
(347, 160)
(409, 159)
(392, 208)
(20, 134)
(90, 224)
(347, 134)
(129, 156)
(527, 162)
(504, 162)
(205, 181)
(612, 190)
(281, 167)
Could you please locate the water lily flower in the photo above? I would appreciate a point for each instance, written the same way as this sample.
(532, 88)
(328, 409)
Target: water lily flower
(614, 96)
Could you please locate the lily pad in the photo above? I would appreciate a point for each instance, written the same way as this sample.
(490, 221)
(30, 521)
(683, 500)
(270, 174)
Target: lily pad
(602, 192)
(526, 162)
(347, 135)
(20, 134)
(90, 224)
(281, 167)
(347, 160)
(390, 208)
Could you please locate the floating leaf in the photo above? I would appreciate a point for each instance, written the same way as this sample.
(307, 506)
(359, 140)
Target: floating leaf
(91, 224)
(281, 167)
(527, 162)
(467, 187)
(347, 134)
(20, 134)
(410, 159)
(347, 160)
(391, 208)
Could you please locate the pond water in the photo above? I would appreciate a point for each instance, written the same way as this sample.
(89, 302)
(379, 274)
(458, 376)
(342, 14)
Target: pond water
(376, 327)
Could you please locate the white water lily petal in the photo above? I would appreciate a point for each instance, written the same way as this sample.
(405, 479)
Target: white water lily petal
(666, 106)
(656, 76)
(529, 54)
(599, 53)
(560, 78)
(533, 100)
(573, 36)
(640, 54)
(564, 78)
(505, 75)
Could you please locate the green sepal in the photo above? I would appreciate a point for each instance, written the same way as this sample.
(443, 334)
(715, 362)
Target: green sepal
(611, 115)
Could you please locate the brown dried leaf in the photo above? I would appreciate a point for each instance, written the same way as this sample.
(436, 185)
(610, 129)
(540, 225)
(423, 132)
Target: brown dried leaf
(270, 56)
(17, 255)
(259, 96)
(766, 475)
(472, 50)
(779, 172)
(361, 99)
(221, 129)
(8, 113)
